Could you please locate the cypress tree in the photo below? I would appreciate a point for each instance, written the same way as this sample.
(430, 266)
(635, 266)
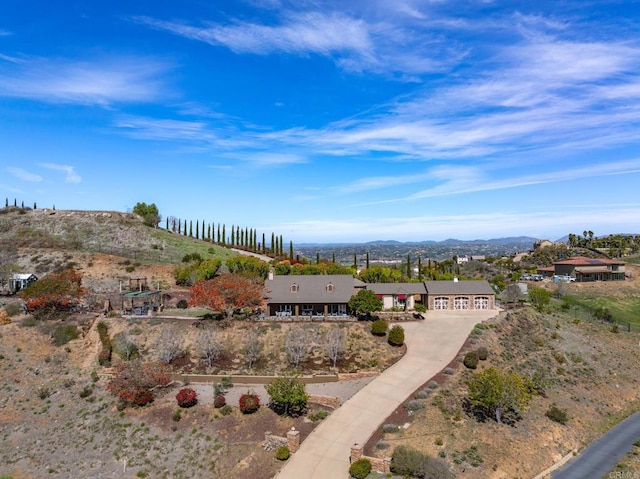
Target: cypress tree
(218, 240)
(281, 245)
(197, 229)
(233, 236)
(355, 262)
(34, 205)
(15, 203)
(317, 257)
(54, 207)
(191, 228)
(179, 226)
(273, 240)
(167, 225)
(263, 243)
(367, 261)
(290, 250)
(419, 268)
(409, 266)
(6, 202)
(333, 257)
(22, 205)
(224, 235)
(209, 232)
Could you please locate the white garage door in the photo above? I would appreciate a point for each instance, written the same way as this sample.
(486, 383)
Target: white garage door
(461, 302)
(441, 303)
(481, 302)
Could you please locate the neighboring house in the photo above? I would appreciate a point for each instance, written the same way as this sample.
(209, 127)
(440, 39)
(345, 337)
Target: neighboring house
(591, 269)
(399, 295)
(459, 295)
(310, 295)
(328, 295)
(19, 281)
(463, 258)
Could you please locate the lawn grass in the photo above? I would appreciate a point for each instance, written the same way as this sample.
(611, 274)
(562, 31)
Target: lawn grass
(625, 309)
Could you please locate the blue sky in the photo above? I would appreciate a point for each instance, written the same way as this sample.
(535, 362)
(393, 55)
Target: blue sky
(326, 121)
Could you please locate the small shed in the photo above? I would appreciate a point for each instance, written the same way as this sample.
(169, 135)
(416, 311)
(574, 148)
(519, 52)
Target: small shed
(19, 281)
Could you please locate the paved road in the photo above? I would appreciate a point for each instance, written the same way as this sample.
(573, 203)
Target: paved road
(431, 345)
(602, 455)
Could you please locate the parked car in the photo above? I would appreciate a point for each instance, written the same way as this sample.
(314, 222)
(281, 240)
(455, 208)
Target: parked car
(564, 278)
(525, 277)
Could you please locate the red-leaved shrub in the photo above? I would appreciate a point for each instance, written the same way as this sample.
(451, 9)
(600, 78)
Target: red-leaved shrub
(219, 401)
(249, 403)
(187, 397)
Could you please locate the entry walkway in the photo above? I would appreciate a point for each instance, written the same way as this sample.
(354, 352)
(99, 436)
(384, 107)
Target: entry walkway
(431, 345)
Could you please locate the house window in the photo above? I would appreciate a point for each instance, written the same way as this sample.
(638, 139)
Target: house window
(461, 302)
(400, 300)
(481, 302)
(330, 288)
(441, 303)
(337, 309)
(294, 288)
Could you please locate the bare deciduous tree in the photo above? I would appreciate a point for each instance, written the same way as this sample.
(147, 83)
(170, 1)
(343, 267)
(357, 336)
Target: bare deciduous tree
(334, 345)
(513, 293)
(125, 345)
(252, 347)
(169, 344)
(208, 347)
(297, 345)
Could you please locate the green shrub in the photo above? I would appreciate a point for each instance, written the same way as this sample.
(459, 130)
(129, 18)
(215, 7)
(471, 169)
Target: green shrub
(13, 309)
(615, 329)
(396, 336)
(414, 405)
(226, 410)
(318, 415)
(283, 453)
(64, 333)
(420, 308)
(471, 360)
(187, 397)
(432, 385)
(482, 353)
(28, 322)
(382, 445)
(86, 392)
(409, 462)
(182, 304)
(177, 415)
(388, 428)
(423, 394)
(449, 371)
(360, 469)
(556, 414)
(379, 327)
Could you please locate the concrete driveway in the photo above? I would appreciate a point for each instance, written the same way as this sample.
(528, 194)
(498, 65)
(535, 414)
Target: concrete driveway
(431, 345)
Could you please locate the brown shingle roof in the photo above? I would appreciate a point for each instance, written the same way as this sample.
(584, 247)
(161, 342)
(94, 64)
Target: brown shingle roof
(584, 261)
(312, 289)
(397, 288)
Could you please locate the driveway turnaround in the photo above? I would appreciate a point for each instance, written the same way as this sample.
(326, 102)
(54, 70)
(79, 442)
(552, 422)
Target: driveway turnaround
(431, 345)
(602, 455)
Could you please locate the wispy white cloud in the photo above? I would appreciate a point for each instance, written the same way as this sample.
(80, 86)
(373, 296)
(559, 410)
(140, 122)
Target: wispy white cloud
(103, 82)
(24, 175)
(5, 33)
(464, 226)
(71, 175)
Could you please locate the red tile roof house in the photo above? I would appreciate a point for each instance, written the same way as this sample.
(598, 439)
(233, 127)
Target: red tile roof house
(591, 269)
(328, 295)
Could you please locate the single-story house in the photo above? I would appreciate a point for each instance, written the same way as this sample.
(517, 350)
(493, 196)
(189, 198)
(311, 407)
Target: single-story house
(19, 281)
(459, 295)
(310, 295)
(399, 295)
(591, 269)
(328, 295)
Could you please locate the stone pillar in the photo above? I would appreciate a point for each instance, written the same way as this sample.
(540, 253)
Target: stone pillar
(293, 440)
(387, 465)
(356, 452)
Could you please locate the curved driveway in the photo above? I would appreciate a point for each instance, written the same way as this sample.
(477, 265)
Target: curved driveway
(603, 454)
(431, 345)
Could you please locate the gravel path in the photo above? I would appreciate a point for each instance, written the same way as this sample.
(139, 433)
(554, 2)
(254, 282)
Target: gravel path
(342, 389)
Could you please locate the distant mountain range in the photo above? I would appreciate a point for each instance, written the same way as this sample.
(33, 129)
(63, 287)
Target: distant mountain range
(524, 240)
